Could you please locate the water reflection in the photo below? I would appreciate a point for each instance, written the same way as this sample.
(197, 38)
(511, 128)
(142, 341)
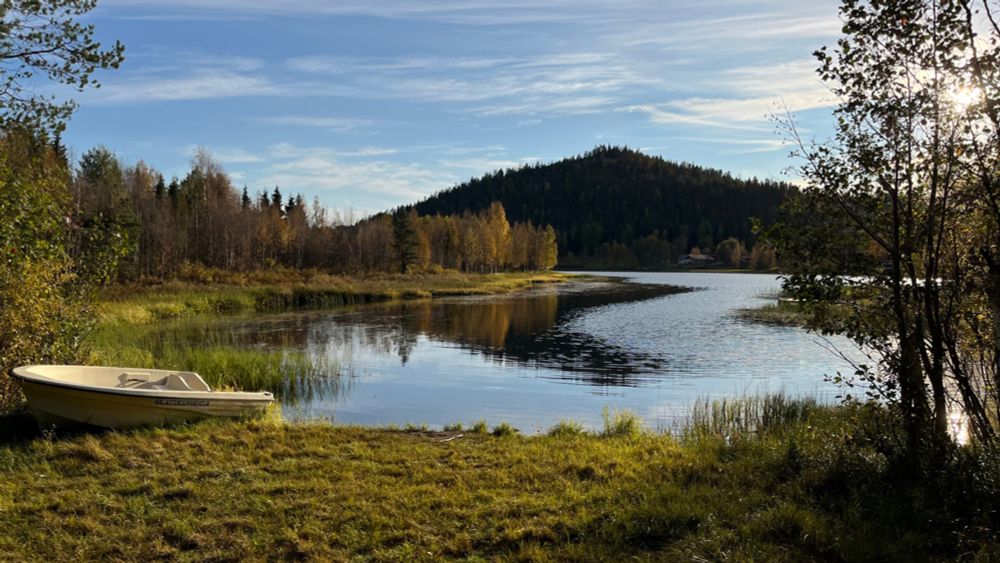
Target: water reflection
(532, 331)
(528, 330)
(563, 351)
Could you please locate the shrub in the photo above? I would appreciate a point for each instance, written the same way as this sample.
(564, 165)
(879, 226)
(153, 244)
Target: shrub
(503, 429)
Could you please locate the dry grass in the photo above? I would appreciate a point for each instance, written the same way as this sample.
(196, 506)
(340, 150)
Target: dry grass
(141, 304)
(815, 486)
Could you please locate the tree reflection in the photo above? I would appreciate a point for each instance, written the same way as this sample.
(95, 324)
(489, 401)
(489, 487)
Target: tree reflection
(531, 330)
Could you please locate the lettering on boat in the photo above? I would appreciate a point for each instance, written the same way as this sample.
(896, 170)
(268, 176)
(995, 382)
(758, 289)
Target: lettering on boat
(181, 402)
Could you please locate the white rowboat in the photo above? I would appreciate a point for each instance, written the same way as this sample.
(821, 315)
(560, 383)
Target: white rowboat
(114, 397)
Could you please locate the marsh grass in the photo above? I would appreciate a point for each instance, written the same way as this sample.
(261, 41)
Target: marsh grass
(567, 429)
(234, 294)
(219, 358)
(794, 314)
(749, 415)
(154, 326)
(504, 429)
(621, 424)
(778, 314)
(814, 486)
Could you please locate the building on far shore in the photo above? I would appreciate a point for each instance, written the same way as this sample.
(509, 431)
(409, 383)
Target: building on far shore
(696, 260)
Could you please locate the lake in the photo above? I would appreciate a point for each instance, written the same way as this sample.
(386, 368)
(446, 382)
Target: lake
(563, 351)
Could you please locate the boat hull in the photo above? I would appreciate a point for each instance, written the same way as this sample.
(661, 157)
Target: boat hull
(54, 403)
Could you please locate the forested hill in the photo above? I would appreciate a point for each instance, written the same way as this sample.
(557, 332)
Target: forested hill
(618, 207)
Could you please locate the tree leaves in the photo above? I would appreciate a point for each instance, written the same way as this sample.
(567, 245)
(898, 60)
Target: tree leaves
(43, 39)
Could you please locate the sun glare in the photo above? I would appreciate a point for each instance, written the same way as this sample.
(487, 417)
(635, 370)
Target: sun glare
(964, 96)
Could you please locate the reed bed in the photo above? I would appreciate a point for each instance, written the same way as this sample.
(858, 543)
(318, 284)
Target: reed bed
(749, 415)
(219, 358)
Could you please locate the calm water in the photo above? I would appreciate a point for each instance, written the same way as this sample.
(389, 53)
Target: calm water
(560, 352)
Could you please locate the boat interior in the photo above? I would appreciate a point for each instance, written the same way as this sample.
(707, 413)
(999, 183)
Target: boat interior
(176, 381)
(118, 378)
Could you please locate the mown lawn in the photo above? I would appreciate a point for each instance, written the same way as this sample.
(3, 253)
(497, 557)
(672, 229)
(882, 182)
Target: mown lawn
(814, 485)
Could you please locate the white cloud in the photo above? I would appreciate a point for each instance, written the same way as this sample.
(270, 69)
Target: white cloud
(556, 84)
(760, 29)
(750, 95)
(321, 170)
(362, 178)
(322, 122)
(469, 12)
(201, 86)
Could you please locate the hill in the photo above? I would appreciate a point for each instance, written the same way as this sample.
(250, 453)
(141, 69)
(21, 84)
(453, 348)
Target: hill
(616, 207)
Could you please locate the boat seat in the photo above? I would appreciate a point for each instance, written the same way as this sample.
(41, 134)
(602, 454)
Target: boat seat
(177, 381)
(133, 379)
(185, 381)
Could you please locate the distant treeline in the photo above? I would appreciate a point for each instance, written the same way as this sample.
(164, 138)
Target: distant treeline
(616, 207)
(203, 219)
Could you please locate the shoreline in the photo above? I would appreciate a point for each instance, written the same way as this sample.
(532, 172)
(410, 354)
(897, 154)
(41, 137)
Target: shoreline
(138, 305)
(127, 334)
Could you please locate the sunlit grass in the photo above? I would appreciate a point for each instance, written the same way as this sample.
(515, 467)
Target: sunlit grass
(768, 479)
(137, 305)
(220, 360)
(621, 424)
(746, 416)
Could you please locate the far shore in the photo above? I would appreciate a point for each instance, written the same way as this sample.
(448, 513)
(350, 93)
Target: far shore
(216, 292)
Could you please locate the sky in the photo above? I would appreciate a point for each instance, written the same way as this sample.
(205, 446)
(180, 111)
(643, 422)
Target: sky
(370, 104)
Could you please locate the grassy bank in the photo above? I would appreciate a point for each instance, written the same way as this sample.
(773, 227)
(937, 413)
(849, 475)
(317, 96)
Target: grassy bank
(761, 480)
(790, 313)
(223, 365)
(780, 314)
(231, 294)
(129, 334)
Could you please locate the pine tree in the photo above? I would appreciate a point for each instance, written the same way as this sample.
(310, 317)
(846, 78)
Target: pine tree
(161, 188)
(405, 238)
(276, 199)
(173, 191)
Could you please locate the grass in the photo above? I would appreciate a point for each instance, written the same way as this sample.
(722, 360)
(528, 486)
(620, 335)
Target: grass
(621, 424)
(778, 314)
(747, 416)
(136, 305)
(818, 484)
(790, 313)
(132, 318)
(219, 358)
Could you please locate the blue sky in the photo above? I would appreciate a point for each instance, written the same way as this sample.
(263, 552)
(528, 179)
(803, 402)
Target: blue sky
(369, 104)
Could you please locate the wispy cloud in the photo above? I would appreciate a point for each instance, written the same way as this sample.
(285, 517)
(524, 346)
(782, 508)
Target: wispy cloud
(761, 29)
(158, 74)
(322, 122)
(468, 12)
(201, 86)
(364, 178)
(557, 84)
(750, 95)
(337, 175)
